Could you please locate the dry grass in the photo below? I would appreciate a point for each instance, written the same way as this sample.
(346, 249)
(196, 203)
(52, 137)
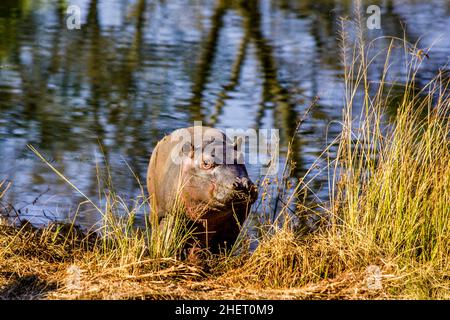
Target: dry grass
(34, 266)
(389, 206)
(389, 209)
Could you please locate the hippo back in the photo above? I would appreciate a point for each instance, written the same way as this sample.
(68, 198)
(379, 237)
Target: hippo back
(161, 176)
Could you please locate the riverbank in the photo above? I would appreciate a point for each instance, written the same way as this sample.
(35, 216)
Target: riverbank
(38, 264)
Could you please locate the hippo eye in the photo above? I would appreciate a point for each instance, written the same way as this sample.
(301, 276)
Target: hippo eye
(207, 164)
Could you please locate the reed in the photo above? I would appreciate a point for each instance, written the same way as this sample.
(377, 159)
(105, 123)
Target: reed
(389, 205)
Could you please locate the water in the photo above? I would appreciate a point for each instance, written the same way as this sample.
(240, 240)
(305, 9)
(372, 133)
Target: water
(138, 69)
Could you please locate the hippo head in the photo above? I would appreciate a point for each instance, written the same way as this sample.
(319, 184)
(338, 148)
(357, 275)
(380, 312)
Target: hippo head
(214, 174)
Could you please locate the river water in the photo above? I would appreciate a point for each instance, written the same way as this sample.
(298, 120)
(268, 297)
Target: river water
(138, 69)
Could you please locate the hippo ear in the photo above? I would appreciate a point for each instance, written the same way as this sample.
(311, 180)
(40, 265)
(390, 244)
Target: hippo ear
(208, 142)
(188, 150)
(237, 143)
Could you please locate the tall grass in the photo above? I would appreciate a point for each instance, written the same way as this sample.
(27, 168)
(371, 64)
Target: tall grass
(119, 244)
(3, 188)
(390, 191)
(393, 183)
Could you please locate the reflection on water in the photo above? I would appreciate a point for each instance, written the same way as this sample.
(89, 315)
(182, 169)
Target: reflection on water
(138, 69)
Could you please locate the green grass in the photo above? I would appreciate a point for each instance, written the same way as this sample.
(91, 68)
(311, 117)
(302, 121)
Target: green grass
(390, 199)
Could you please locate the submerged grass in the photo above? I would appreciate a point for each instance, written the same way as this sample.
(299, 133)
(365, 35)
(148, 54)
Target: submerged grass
(385, 232)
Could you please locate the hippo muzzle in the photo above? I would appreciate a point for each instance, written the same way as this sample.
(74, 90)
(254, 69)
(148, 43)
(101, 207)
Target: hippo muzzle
(240, 191)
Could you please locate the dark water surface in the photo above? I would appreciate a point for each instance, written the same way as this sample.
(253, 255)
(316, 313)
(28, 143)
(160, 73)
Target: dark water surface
(138, 69)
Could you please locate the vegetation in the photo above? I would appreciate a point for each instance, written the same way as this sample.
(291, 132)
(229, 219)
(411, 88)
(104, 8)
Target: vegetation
(387, 222)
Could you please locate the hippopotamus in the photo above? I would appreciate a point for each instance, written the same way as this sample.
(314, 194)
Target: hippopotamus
(203, 170)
